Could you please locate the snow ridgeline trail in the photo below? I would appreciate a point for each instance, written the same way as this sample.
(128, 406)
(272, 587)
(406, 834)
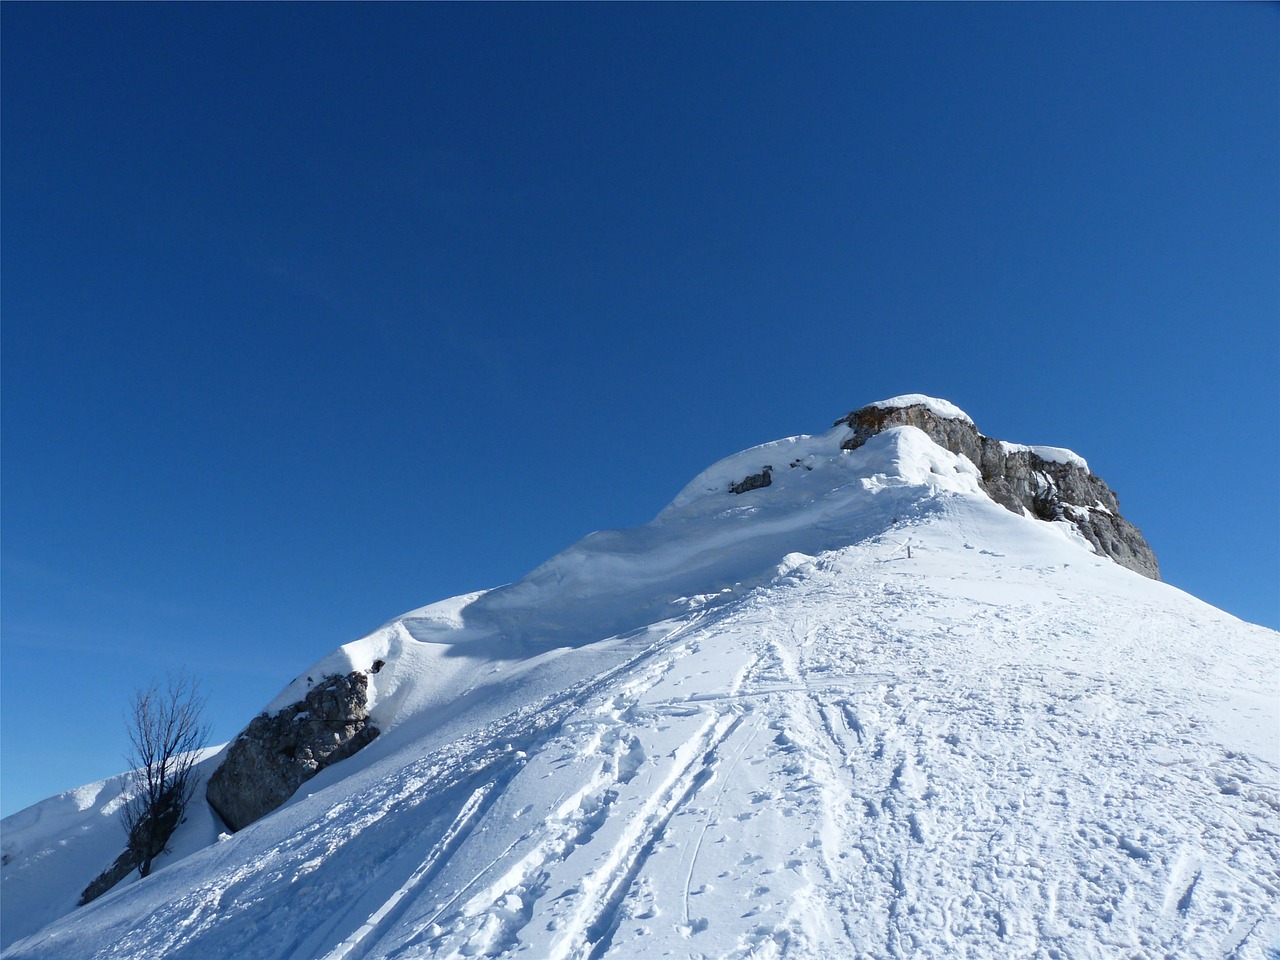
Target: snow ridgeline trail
(973, 752)
(1021, 789)
(846, 785)
(527, 731)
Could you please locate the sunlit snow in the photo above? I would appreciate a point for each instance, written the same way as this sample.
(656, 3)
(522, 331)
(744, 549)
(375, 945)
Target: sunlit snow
(941, 408)
(862, 712)
(1051, 454)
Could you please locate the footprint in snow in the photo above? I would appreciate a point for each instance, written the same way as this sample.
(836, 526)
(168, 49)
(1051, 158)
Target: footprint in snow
(695, 925)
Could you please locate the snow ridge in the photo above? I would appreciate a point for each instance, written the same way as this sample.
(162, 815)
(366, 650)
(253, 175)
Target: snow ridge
(863, 712)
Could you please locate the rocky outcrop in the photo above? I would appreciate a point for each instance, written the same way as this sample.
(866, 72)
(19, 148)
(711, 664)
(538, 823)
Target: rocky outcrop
(755, 481)
(279, 752)
(148, 838)
(1021, 479)
(124, 865)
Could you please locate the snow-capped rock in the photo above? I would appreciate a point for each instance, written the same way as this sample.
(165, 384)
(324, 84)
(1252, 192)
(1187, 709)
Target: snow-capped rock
(1048, 483)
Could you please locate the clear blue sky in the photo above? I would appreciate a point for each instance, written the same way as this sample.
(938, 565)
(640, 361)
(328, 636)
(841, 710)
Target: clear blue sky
(313, 314)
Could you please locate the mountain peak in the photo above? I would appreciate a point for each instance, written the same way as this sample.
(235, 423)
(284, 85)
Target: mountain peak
(1046, 483)
(859, 710)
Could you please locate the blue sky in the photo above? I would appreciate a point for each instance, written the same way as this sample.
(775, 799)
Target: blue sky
(313, 314)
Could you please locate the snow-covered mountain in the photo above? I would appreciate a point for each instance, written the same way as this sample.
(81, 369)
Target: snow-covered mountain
(848, 695)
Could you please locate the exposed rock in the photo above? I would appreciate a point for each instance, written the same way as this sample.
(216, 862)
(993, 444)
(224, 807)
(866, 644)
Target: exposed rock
(1021, 479)
(754, 482)
(125, 864)
(958, 436)
(276, 753)
(148, 839)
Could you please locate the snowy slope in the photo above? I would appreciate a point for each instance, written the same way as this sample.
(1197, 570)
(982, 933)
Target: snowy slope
(759, 726)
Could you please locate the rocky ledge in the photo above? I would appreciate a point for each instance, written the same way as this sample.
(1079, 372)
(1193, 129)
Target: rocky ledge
(277, 753)
(1047, 483)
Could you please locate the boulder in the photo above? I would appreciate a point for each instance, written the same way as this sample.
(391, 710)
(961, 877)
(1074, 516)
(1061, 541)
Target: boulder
(277, 753)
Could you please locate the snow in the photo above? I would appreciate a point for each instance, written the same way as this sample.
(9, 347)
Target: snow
(863, 711)
(940, 408)
(54, 848)
(1050, 454)
(809, 469)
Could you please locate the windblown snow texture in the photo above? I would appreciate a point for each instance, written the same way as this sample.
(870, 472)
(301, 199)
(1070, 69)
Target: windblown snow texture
(863, 711)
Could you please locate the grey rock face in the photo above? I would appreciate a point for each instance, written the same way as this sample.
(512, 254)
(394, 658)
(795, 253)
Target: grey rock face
(276, 753)
(1023, 480)
(124, 865)
(754, 482)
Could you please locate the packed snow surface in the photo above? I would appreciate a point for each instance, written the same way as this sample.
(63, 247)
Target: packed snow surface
(862, 712)
(941, 408)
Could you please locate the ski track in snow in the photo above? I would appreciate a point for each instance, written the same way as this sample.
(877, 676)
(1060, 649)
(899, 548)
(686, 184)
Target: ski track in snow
(867, 756)
(870, 759)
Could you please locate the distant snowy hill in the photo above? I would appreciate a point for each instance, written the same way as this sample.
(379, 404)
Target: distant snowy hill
(834, 701)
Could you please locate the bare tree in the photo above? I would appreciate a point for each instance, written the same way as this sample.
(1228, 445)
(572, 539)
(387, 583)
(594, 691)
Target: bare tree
(167, 733)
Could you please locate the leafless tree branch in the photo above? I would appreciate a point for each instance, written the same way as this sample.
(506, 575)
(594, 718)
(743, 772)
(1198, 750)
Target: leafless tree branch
(166, 734)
